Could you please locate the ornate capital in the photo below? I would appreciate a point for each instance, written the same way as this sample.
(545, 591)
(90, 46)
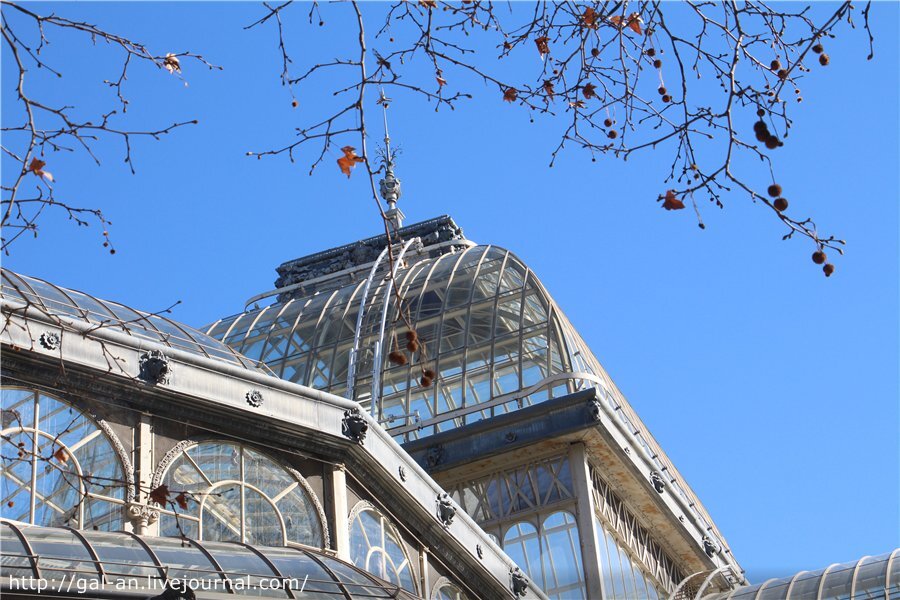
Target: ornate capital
(141, 515)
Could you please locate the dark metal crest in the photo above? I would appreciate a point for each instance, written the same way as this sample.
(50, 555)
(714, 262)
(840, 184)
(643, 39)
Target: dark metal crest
(519, 582)
(710, 546)
(155, 367)
(446, 510)
(354, 426)
(434, 455)
(254, 398)
(50, 340)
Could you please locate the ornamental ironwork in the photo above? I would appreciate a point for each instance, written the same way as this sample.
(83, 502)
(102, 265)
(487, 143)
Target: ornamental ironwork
(254, 398)
(50, 340)
(446, 510)
(354, 426)
(402, 471)
(479, 551)
(519, 582)
(595, 407)
(434, 455)
(155, 367)
(710, 546)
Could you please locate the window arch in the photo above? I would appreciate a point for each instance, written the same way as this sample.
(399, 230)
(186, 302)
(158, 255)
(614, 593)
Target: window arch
(61, 466)
(233, 492)
(549, 555)
(376, 546)
(445, 589)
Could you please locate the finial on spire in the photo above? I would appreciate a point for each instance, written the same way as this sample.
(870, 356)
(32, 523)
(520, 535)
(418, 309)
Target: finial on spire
(390, 185)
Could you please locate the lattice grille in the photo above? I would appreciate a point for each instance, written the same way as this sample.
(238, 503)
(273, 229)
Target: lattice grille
(512, 491)
(633, 535)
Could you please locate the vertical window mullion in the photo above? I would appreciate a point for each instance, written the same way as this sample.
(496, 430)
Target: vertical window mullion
(243, 496)
(35, 444)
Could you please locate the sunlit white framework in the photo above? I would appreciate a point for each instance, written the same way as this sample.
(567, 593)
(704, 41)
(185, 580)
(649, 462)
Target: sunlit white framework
(236, 493)
(258, 433)
(496, 340)
(593, 509)
(498, 343)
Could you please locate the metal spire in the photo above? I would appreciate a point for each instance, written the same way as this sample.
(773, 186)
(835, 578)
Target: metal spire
(390, 185)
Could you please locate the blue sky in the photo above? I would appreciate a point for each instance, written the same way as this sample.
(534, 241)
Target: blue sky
(773, 389)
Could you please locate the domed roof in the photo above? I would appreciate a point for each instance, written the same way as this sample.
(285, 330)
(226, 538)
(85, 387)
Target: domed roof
(79, 306)
(494, 338)
(485, 325)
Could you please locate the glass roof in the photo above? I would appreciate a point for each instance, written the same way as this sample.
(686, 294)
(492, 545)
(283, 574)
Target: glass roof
(78, 306)
(871, 577)
(494, 338)
(124, 559)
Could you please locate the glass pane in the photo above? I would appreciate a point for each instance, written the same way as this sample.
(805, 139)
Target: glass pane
(295, 565)
(871, 575)
(376, 548)
(122, 556)
(221, 514)
(245, 568)
(183, 560)
(62, 554)
(13, 561)
(262, 524)
(522, 545)
(301, 519)
(18, 407)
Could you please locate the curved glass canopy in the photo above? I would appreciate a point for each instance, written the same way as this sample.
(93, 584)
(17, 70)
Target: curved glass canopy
(871, 577)
(79, 306)
(491, 333)
(126, 561)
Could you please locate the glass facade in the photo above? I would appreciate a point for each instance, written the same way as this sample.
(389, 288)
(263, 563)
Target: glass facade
(231, 492)
(493, 336)
(58, 467)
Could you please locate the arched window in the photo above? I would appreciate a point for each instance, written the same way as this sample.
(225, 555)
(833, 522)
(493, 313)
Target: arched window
(551, 556)
(234, 493)
(445, 589)
(522, 544)
(561, 555)
(60, 466)
(376, 547)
